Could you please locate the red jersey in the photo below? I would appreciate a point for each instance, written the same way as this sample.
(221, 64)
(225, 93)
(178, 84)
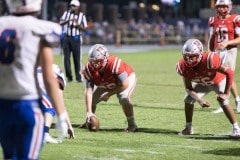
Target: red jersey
(206, 72)
(108, 79)
(224, 29)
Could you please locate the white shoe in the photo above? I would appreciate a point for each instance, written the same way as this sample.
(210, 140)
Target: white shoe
(186, 131)
(49, 139)
(235, 133)
(238, 106)
(219, 110)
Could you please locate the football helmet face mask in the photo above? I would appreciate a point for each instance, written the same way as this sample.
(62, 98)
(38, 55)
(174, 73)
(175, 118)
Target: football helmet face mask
(223, 7)
(23, 7)
(192, 52)
(98, 56)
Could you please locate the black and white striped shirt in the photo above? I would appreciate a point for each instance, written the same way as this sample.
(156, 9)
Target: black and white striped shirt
(70, 28)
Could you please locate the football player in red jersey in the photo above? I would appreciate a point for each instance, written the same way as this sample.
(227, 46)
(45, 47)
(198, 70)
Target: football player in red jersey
(224, 38)
(203, 72)
(108, 75)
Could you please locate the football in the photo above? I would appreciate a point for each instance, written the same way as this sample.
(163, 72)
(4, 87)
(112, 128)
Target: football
(93, 124)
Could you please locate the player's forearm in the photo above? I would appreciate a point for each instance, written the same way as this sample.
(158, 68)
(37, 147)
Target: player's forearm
(233, 42)
(194, 95)
(88, 100)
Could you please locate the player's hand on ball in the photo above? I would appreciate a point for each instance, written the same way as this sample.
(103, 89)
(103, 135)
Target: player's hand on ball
(93, 124)
(90, 114)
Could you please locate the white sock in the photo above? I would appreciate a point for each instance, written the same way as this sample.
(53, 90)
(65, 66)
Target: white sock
(237, 99)
(235, 125)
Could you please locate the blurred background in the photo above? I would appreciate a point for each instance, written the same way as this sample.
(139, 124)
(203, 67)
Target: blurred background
(139, 21)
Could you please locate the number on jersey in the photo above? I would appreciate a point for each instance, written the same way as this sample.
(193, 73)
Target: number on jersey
(7, 46)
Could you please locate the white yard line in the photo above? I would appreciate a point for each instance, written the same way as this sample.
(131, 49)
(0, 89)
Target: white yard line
(95, 158)
(138, 151)
(177, 146)
(156, 104)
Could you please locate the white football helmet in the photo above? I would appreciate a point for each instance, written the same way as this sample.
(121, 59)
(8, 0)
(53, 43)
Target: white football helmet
(223, 11)
(98, 56)
(22, 7)
(192, 52)
(59, 76)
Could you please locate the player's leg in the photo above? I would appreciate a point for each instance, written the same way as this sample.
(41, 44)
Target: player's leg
(29, 129)
(189, 107)
(228, 110)
(7, 125)
(49, 113)
(230, 61)
(66, 58)
(75, 45)
(125, 101)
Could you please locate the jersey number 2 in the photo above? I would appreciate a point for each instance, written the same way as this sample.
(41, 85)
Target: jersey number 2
(7, 46)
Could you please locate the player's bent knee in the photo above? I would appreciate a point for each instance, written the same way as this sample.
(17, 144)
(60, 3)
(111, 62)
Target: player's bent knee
(124, 101)
(189, 99)
(223, 103)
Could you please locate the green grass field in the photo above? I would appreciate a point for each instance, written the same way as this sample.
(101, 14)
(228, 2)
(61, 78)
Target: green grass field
(158, 105)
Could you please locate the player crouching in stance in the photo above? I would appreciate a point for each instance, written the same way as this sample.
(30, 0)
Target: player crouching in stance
(49, 111)
(105, 76)
(203, 72)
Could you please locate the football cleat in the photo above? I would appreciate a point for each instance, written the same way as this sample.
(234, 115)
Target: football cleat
(49, 139)
(235, 133)
(186, 131)
(133, 128)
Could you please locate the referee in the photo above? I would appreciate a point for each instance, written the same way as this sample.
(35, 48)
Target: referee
(73, 22)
